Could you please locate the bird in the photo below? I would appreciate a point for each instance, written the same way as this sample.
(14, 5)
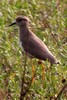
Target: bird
(33, 46)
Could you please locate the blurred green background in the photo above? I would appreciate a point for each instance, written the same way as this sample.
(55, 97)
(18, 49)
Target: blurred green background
(49, 22)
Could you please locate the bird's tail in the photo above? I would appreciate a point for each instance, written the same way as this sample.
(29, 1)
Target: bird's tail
(52, 59)
(57, 62)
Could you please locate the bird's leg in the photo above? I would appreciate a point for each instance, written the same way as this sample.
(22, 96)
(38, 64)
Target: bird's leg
(43, 69)
(33, 71)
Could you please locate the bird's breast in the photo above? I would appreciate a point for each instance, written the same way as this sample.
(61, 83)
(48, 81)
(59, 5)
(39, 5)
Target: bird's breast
(21, 45)
(24, 45)
(29, 55)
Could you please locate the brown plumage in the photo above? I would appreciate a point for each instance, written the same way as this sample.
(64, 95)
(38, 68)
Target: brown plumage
(31, 43)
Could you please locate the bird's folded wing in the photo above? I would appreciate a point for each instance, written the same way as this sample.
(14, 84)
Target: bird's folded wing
(37, 48)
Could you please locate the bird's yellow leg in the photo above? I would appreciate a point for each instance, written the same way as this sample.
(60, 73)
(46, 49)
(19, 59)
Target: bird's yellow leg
(33, 71)
(43, 70)
(43, 74)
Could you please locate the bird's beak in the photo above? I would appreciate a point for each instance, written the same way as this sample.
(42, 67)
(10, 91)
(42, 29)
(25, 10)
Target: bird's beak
(12, 24)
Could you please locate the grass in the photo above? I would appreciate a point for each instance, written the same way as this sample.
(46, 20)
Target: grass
(48, 21)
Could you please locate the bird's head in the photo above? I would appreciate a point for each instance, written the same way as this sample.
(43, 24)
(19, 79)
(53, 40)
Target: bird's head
(21, 21)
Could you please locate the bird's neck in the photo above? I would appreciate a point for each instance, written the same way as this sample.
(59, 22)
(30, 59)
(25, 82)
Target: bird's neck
(23, 32)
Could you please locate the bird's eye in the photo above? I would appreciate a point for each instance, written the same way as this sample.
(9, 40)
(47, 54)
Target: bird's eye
(19, 20)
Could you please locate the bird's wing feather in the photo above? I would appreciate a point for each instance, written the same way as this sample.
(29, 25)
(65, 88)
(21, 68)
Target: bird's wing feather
(38, 49)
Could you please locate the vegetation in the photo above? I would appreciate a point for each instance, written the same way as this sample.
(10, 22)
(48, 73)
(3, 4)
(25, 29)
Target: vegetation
(49, 22)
